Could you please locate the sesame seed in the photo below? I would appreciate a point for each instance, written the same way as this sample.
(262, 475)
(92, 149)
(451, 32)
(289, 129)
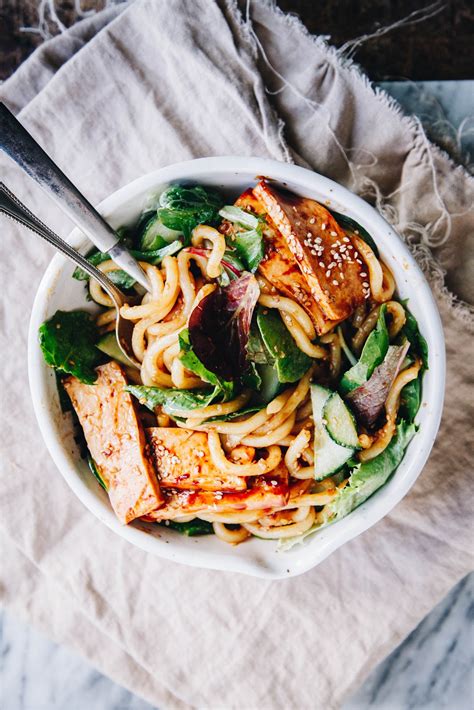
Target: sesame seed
(363, 273)
(335, 283)
(359, 262)
(321, 264)
(341, 274)
(328, 273)
(365, 284)
(323, 226)
(346, 239)
(308, 234)
(333, 234)
(312, 220)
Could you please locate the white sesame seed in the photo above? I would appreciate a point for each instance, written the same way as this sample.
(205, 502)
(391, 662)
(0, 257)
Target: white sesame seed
(312, 220)
(328, 273)
(321, 264)
(333, 234)
(363, 273)
(365, 284)
(336, 283)
(323, 226)
(341, 274)
(346, 239)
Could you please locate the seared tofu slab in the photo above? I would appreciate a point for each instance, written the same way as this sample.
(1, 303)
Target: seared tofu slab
(264, 492)
(281, 269)
(116, 441)
(183, 460)
(328, 259)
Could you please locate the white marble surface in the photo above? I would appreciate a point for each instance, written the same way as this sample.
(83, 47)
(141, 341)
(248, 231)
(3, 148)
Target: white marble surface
(431, 670)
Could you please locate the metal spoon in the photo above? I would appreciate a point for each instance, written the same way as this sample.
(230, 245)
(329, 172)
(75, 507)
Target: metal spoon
(22, 148)
(11, 206)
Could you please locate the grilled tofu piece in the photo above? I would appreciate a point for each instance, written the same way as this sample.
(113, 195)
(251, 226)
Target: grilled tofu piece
(183, 460)
(116, 440)
(281, 269)
(326, 255)
(264, 492)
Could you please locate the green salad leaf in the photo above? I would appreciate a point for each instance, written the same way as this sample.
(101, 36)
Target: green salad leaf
(373, 353)
(352, 227)
(152, 233)
(68, 342)
(250, 247)
(184, 207)
(192, 528)
(411, 331)
(174, 401)
(410, 400)
(119, 277)
(290, 362)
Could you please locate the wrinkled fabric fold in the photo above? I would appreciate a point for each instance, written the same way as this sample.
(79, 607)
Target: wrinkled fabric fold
(121, 95)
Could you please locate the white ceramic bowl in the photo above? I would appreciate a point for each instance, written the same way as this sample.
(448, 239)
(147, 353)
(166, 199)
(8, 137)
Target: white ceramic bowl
(255, 557)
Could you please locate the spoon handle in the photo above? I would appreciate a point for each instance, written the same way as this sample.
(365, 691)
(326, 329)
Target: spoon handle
(11, 206)
(22, 148)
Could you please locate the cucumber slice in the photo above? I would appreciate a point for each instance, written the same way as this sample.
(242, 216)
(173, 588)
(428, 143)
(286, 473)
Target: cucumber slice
(329, 457)
(340, 423)
(108, 345)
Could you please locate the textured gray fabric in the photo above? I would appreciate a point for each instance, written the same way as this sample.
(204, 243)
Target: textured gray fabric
(162, 82)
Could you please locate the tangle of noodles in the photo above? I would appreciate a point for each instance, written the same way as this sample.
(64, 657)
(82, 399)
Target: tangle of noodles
(281, 433)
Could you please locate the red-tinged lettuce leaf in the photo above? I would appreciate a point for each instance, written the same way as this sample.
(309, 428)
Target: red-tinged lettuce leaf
(368, 400)
(219, 327)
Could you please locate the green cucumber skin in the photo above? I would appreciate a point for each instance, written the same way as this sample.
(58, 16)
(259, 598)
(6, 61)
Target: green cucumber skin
(329, 448)
(332, 430)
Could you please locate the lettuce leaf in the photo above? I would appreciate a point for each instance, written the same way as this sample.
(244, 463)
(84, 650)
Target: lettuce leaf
(174, 401)
(289, 361)
(184, 207)
(192, 363)
(411, 331)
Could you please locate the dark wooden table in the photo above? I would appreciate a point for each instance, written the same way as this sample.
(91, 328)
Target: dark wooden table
(440, 47)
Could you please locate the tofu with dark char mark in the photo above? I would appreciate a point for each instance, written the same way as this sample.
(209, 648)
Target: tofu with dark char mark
(116, 441)
(280, 267)
(326, 255)
(264, 493)
(183, 460)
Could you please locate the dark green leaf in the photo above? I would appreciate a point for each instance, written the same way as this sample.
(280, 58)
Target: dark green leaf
(120, 277)
(256, 350)
(373, 352)
(410, 400)
(290, 362)
(352, 227)
(174, 401)
(250, 247)
(68, 343)
(192, 528)
(64, 401)
(251, 377)
(183, 208)
(411, 331)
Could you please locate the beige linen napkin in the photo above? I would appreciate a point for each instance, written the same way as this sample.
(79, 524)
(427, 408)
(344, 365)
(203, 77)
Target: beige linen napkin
(162, 82)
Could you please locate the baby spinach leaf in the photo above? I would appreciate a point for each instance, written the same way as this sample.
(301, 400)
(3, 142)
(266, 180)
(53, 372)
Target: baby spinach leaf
(289, 361)
(67, 341)
(410, 400)
(373, 352)
(184, 207)
(411, 331)
(191, 528)
(174, 401)
(119, 277)
(352, 227)
(250, 247)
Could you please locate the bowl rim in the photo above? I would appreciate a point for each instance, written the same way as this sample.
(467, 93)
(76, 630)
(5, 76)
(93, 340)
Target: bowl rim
(366, 515)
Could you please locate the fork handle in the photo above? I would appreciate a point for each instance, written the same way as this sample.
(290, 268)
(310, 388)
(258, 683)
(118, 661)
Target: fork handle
(11, 206)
